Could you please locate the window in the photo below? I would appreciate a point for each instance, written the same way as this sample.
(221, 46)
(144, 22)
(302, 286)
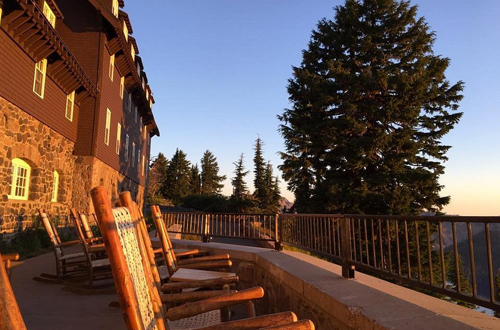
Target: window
(125, 30)
(20, 179)
(70, 105)
(49, 14)
(138, 158)
(114, 8)
(142, 168)
(133, 154)
(132, 52)
(147, 94)
(140, 124)
(39, 80)
(122, 86)
(55, 187)
(129, 105)
(108, 126)
(126, 147)
(135, 114)
(145, 130)
(111, 66)
(0, 15)
(151, 104)
(118, 138)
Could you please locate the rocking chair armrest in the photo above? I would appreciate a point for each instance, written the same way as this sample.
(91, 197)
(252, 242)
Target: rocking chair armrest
(200, 283)
(203, 259)
(299, 325)
(179, 253)
(256, 322)
(69, 243)
(210, 304)
(10, 256)
(185, 297)
(208, 264)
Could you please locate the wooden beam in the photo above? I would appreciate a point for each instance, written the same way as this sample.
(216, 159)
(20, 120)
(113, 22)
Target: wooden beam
(23, 28)
(11, 17)
(256, 322)
(29, 37)
(114, 45)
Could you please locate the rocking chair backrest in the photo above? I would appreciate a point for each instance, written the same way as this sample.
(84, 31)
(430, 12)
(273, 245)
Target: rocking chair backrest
(135, 291)
(54, 229)
(81, 237)
(86, 228)
(50, 231)
(166, 244)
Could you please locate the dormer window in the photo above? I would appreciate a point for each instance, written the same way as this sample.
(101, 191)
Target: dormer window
(122, 86)
(132, 52)
(150, 104)
(111, 66)
(39, 80)
(147, 94)
(49, 14)
(125, 30)
(114, 8)
(139, 70)
(143, 84)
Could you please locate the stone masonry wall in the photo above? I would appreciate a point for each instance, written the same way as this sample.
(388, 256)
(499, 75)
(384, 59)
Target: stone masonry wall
(46, 151)
(92, 173)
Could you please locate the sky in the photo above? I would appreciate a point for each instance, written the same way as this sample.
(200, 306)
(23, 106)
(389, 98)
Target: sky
(219, 69)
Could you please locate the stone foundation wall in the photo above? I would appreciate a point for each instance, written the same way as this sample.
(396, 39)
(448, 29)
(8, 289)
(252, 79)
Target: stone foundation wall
(46, 151)
(93, 173)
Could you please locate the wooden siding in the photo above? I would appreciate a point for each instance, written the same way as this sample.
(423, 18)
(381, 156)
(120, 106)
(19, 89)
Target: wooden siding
(17, 71)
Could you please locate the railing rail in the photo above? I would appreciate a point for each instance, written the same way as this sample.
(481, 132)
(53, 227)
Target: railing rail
(446, 255)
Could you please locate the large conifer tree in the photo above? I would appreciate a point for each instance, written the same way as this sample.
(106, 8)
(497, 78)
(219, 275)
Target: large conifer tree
(370, 105)
(157, 177)
(239, 185)
(178, 181)
(211, 181)
(195, 180)
(261, 191)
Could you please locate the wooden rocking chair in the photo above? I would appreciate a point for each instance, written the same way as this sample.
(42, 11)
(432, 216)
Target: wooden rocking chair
(174, 264)
(10, 315)
(68, 265)
(137, 291)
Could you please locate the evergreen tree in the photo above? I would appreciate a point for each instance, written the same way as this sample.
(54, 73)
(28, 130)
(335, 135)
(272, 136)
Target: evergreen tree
(239, 185)
(156, 179)
(371, 104)
(211, 181)
(272, 193)
(195, 180)
(259, 182)
(178, 181)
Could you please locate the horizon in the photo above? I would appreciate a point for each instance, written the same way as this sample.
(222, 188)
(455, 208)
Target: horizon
(219, 72)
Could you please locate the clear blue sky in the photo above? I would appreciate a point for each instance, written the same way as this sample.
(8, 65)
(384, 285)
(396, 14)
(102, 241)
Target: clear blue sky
(219, 70)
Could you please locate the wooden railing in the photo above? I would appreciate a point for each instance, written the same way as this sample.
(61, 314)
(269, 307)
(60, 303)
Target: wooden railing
(455, 256)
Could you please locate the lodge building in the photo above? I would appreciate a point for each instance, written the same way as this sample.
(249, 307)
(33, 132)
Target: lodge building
(76, 107)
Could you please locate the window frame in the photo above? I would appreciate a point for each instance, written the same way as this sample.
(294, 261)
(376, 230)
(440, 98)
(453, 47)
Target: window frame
(127, 142)
(40, 69)
(18, 163)
(118, 138)
(133, 155)
(125, 30)
(111, 66)
(49, 14)
(115, 8)
(107, 128)
(55, 187)
(70, 98)
(138, 159)
(122, 86)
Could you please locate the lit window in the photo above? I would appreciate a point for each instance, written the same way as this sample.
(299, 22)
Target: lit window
(111, 66)
(145, 130)
(150, 103)
(118, 138)
(133, 154)
(147, 94)
(126, 147)
(49, 14)
(138, 158)
(132, 52)
(143, 84)
(142, 168)
(19, 186)
(55, 187)
(125, 30)
(39, 80)
(140, 124)
(70, 105)
(114, 8)
(108, 126)
(122, 86)
(0, 15)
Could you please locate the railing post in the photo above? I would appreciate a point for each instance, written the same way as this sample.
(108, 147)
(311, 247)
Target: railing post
(206, 229)
(347, 269)
(278, 246)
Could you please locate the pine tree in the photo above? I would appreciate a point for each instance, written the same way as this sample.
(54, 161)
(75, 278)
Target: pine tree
(239, 185)
(178, 181)
(157, 176)
(195, 180)
(370, 105)
(211, 181)
(259, 182)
